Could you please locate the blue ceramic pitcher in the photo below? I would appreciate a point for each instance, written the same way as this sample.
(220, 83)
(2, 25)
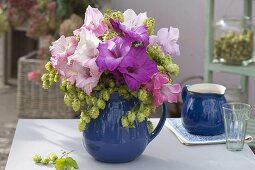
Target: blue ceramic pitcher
(202, 112)
(106, 140)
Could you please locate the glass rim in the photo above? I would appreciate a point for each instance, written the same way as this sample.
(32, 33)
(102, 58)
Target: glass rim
(224, 106)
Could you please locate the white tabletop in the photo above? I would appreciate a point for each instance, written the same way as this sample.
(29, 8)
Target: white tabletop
(165, 152)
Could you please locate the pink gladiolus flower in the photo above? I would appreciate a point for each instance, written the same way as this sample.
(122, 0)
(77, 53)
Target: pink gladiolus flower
(60, 51)
(63, 47)
(162, 90)
(86, 78)
(167, 40)
(94, 21)
(86, 49)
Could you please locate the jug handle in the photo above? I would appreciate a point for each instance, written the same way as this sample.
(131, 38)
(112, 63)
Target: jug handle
(160, 124)
(184, 92)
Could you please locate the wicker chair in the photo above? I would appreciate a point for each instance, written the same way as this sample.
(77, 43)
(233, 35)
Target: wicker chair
(32, 100)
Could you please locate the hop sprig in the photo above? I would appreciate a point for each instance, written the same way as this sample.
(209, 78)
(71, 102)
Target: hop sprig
(50, 76)
(164, 62)
(150, 24)
(65, 162)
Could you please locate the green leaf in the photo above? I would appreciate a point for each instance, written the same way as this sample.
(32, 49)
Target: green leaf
(67, 163)
(72, 162)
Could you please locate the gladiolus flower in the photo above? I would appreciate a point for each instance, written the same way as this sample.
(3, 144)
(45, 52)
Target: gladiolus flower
(167, 40)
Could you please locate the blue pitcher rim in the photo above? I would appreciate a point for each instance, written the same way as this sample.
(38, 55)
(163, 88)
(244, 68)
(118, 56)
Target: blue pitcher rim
(207, 88)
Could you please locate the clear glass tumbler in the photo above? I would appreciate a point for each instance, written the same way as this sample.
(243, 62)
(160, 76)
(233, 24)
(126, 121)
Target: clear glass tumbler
(236, 116)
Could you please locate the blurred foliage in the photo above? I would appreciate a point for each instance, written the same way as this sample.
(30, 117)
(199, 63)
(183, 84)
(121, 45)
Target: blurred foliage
(67, 7)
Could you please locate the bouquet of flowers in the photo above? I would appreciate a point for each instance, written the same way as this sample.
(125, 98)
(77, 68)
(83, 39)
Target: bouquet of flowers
(115, 52)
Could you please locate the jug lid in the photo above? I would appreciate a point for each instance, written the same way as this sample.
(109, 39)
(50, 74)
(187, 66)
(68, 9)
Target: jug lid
(207, 88)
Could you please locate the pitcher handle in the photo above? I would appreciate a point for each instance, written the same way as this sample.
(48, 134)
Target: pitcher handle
(160, 124)
(184, 92)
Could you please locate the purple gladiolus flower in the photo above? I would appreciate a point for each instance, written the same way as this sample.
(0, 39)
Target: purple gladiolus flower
(138, 33)
(137, 68)
(112, 52)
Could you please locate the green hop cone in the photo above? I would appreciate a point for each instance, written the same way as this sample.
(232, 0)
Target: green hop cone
(150, 127)
(70, 88)
(172, 68)
(131, 116)
(51, 74)
(81, 96)
(105, 95)
(88, 100)
(56, 78)
(37, 158)
(109, 35)
(53, 157)
(111, 84)
(117, 15)
(124, 121)
(64, 82)
(48, 66)
(76, 104)
(94, 112)
(140, 117)
(45, 161)
(150, 23)
(142, 94)
(68, 100)
(94, 100)
(161, 69)
(46, 84)
(85, 117)
(45, 77)
(101, 104)
(81, 125)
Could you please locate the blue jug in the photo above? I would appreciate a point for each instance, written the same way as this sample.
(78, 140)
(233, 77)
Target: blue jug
(108, 141)
(202, 112)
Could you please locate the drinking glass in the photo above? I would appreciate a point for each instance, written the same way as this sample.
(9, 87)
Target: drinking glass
(236, 116)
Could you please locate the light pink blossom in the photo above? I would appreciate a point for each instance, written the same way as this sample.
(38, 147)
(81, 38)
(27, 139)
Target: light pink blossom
(86, 49)
(167, 40)
(63, 47)
(87, 77)
(94, 21)
(162, 90)
(131, 19)
(60, 50)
